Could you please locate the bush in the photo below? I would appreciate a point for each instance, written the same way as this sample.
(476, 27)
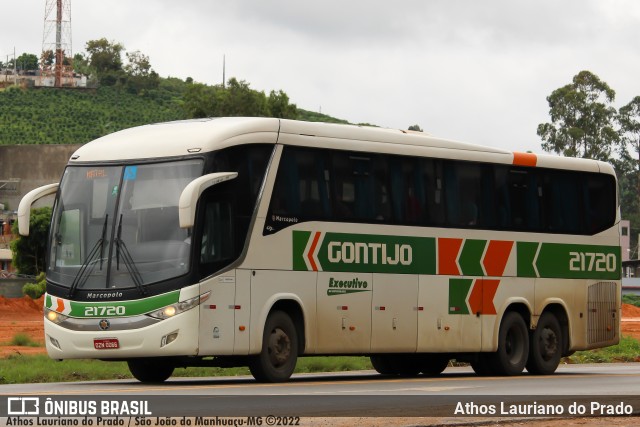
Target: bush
(36, 290)
(23, 340)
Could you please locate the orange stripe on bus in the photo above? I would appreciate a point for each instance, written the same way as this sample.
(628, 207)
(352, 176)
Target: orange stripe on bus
(475, 297)
(448, 250)
(496, 257)
(524, 159)
(60, 307)
(312, 249)
(489, 289)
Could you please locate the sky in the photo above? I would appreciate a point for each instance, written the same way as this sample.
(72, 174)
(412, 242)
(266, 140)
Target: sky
(469, 70)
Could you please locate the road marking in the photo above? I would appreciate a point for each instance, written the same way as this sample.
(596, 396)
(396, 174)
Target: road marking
(247, 383)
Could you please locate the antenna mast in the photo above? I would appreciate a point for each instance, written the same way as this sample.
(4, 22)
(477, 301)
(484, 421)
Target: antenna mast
(57, 55)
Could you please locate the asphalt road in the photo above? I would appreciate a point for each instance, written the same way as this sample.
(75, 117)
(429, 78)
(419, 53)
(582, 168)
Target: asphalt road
(367, 394)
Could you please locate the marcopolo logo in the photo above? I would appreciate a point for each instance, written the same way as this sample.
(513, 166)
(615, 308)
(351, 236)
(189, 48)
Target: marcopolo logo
(341, 287)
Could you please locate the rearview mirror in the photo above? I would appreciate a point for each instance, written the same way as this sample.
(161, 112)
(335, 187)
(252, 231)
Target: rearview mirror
(191, 194)
(24, 208)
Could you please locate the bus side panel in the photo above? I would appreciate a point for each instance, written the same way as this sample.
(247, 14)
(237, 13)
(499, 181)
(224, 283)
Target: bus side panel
(217, 324)
(344, 312)
(445, 322)
(395, 313)
(242, 312)
(508, 292)
(268, 287)
(569, 294)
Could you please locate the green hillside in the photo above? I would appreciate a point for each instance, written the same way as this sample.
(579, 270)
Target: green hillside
(69, 116)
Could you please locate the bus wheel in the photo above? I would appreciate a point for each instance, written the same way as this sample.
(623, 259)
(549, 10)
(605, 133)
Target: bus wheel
(279, 354)
(382, 364)
(482, 365)
(406, 365)
(545, 348)
(433, 364)
(513, 346)
(150, 370)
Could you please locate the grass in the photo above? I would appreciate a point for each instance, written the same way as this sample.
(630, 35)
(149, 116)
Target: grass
(23, 340)
(631, 299)
(20, 369)
(628, 350)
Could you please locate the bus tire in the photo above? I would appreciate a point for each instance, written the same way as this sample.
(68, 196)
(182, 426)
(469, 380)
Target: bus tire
(433, 364)
(482, 365)
(513, 346)
(150, 370)
(277, 360)
(545, 349)
(382, 364)
(406, 365)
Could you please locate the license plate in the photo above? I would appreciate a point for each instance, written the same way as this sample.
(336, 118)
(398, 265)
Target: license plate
(105, 343)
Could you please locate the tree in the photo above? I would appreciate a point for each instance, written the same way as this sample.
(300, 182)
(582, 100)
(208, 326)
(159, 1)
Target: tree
(29, 252)
(280, 107)
(238, 99)
(140, 75)
(106, 58)
(199, 101)
(46, 58)
(27, 62)
(415, 128)
(581, 119)
(629, 121)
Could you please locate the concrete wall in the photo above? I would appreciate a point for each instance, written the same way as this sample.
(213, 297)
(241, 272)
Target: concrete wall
(33, 166)
(12, 288)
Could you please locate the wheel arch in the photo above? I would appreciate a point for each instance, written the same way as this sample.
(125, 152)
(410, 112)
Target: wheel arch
(294, 308)
(520, 306)
(559, 310)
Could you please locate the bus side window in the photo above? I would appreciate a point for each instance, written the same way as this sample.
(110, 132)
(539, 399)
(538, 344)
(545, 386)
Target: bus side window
(381, 190)
(599, 193)
(301, 189)
(463, 185)
(407, 191)
(429, 191)
(522, 187)
(217, 244)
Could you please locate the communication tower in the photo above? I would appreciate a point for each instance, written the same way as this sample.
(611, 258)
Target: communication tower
(57, 57)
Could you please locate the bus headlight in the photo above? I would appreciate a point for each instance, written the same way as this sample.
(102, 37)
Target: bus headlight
(54, 316)
(179, 307)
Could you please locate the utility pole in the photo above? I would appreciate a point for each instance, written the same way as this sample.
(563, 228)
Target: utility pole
(224, 70)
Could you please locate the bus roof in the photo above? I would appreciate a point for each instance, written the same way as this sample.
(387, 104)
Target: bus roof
(181, 138)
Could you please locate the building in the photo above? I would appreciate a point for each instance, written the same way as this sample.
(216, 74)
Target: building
(38, 79)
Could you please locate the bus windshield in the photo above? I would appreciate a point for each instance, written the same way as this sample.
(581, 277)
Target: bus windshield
(116, 227)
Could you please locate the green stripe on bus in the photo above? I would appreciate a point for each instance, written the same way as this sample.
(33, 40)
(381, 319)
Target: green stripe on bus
(300, 239)
(114, 308)
(370, 253)
(526, 253)
(367, 253)
(458, 291)
(471, 257)
(568, 261)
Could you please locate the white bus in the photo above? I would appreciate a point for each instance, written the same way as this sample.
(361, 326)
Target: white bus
(253, 241)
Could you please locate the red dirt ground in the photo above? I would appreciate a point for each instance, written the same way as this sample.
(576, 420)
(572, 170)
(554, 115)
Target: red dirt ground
(24, 316)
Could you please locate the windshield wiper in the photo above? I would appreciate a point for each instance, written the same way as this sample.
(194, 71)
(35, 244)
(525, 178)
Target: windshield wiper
(87, 267)
(128, 261)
